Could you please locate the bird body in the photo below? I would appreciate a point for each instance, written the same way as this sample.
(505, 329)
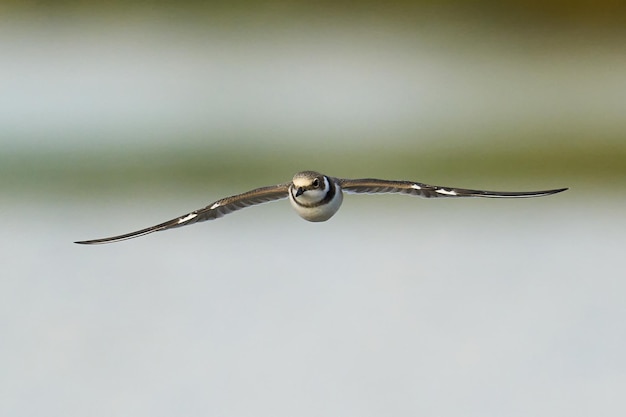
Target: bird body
(316, 198)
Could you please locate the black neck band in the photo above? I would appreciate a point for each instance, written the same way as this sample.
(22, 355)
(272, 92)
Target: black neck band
(330, 194)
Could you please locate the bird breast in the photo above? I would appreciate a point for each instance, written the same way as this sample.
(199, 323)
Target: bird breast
(320, 211)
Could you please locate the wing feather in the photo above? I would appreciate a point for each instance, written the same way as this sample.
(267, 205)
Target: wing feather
(376, 186)
(213, 211)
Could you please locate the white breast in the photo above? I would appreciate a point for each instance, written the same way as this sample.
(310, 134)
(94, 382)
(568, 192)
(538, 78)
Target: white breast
(313, 208)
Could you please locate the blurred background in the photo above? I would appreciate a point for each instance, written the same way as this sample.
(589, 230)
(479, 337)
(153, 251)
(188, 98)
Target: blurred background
(118, 116)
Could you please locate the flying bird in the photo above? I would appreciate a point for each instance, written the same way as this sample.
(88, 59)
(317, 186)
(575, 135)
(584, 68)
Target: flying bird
(316, 197)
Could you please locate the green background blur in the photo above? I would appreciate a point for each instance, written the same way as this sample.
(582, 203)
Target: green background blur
(115, 116)
(573, 49)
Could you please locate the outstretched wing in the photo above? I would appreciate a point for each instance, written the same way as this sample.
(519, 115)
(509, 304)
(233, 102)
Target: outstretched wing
(213, 211)
(375, 186)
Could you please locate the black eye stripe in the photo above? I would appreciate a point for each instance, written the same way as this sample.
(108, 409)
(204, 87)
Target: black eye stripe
(330, 194)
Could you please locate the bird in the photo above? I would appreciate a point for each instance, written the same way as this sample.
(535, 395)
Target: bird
(316, 197)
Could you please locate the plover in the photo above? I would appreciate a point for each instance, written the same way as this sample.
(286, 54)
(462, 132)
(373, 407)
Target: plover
(316, 197)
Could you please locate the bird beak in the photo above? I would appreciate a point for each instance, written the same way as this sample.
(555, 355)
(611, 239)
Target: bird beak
(299, 191)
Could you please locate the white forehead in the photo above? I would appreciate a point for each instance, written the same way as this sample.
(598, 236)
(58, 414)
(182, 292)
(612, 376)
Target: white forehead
(302, 182)
(303, 179)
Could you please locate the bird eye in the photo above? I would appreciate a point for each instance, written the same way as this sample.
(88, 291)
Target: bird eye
(316, 182)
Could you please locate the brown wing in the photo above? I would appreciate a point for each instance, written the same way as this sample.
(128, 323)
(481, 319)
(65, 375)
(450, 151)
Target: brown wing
(213, 211)
(375, 186)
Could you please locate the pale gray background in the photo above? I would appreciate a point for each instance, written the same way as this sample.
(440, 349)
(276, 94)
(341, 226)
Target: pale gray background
(396, 306)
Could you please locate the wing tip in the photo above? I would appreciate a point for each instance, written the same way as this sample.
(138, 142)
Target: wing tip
(558, 190)
(163, 226)
(96, 241)
(516, 194)
(115, 238)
